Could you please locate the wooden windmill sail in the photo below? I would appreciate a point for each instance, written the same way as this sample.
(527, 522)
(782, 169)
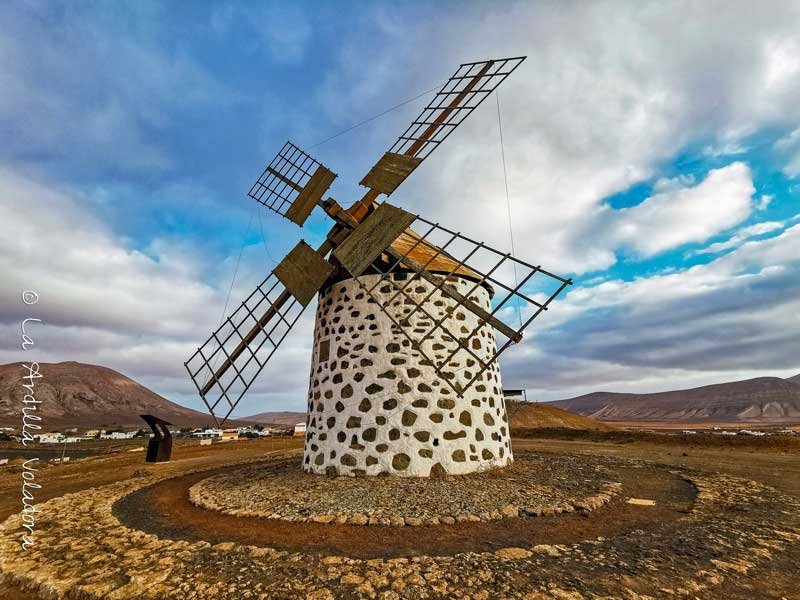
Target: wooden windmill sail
(388, 256)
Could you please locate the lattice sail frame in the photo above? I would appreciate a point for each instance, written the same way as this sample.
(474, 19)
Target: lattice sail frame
(292, 183)
(438, 119)
(229, 338)
(501, 274)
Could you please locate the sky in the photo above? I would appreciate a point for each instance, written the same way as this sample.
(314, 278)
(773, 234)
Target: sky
(652, 153)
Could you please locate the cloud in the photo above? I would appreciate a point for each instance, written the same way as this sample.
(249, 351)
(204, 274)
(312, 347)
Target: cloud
(87, 92)
(675, 217)
(86, 274)
(732, 317)
(103, 302)
(764, 201)
(789, 146)
(742, 235)
(606, 97)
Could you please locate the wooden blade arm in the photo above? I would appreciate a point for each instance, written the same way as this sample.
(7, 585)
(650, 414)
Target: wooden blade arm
(485, 316)
(285, 180)
(270, 313)
(346, 219)
(361, 208)
(437, 122)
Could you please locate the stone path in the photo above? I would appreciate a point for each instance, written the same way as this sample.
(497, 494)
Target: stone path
(734, 527)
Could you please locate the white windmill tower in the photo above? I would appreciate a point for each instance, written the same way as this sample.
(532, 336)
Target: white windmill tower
(404, 375)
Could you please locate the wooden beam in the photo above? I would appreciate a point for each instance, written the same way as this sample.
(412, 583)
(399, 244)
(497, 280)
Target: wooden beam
(361, 208)
(268, 315)
(262, 322)
(310, 195)
(285, 180)
(389, 172)
(303, 272)
(371, 237)
(447, 290)
(437, 122)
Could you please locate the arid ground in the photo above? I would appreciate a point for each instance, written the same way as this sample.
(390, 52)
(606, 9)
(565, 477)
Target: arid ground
(620, 516)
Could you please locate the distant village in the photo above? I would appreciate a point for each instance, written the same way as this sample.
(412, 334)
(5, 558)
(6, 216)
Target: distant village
(75, 436)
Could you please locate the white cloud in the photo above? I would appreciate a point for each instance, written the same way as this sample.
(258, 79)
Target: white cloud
(789, 146)
(763, 202)
(87, 275)
(105, 303)
(734, 317)
(671, 184)
(606, 96)
(742, 235)
(672, 218)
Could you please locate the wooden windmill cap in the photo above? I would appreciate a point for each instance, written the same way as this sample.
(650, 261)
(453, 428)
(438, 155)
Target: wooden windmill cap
(411, 244)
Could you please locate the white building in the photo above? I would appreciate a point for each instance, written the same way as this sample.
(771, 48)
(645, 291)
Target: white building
(207, 433)
(118, 435)
(230, 435)
(268, 431)
(300, 429)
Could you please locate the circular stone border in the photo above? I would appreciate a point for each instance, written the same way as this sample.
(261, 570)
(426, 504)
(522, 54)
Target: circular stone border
(205, 494)
(86, 551)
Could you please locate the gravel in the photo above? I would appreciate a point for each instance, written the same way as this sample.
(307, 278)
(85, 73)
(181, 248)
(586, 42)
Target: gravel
(532, 485)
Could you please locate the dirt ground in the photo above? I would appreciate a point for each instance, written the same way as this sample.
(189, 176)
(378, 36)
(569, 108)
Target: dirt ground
(57, 480)
(180, 519)
(778, 467)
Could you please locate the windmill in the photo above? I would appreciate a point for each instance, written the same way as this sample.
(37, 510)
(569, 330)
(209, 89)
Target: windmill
(411, 316)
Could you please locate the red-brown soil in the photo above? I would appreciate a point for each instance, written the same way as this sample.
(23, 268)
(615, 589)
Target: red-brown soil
(778, 467)
(57, 480)
(165, 510)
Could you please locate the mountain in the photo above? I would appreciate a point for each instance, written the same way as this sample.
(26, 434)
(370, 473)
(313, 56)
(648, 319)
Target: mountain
(277, 418)
(546, 416)
(521, 415)
(764, 399)
(74, 394)
(795, 379)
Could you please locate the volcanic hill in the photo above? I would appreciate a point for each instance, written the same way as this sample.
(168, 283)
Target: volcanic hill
(528, 415)
(767, 400)
(277, 418)
(74, 394)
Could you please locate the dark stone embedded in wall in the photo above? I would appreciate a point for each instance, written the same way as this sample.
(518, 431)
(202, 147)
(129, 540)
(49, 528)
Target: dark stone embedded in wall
(386, 408)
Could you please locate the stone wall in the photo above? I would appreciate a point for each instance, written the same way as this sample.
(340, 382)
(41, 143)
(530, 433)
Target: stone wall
(375, 406)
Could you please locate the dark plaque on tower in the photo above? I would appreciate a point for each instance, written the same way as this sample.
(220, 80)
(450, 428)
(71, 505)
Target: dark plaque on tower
(159, 449)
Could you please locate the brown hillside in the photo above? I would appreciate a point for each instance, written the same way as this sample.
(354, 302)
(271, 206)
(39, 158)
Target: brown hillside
(761, 400)
(546, 416)
(74, 394)
(285, 418)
